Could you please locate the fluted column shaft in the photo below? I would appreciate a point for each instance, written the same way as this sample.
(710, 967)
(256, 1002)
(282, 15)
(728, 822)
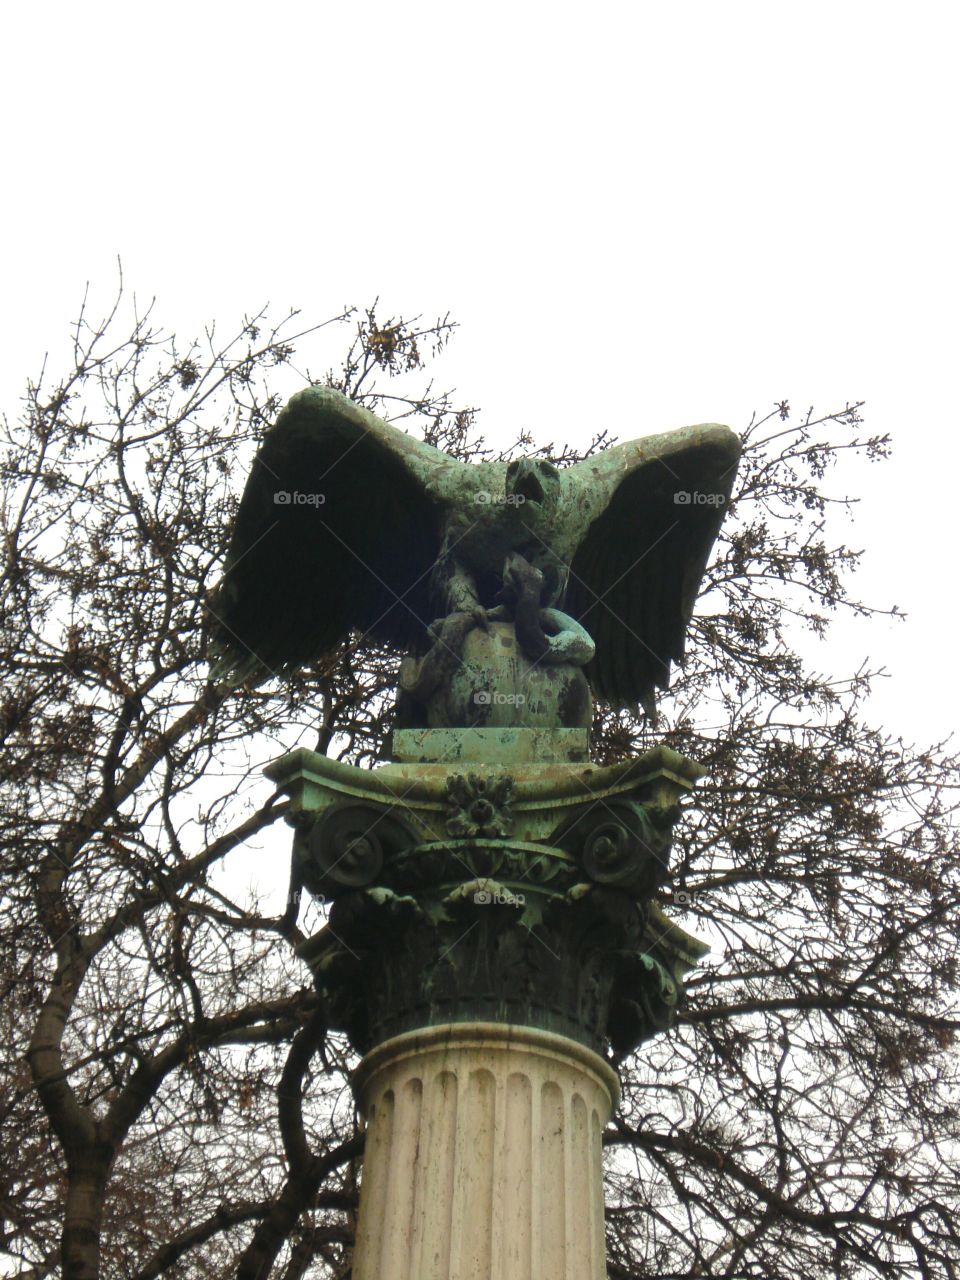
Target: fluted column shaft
(483, 1156)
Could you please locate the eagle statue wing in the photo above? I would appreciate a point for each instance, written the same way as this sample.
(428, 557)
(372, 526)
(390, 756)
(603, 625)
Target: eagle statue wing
(339, 528)
(643, 518)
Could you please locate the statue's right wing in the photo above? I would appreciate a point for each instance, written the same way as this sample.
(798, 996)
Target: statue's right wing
(339, 528)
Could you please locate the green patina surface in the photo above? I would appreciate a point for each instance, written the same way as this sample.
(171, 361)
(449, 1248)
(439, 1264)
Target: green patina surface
(489, 877)
(499, 581)
(499, 747)
(488, 870)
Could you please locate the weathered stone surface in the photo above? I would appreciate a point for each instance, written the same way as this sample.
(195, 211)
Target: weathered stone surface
(545, 792)
(489, 874)
(483, 1156)
(463, 892)
(591, 965)
(489, 681)
(501, 747)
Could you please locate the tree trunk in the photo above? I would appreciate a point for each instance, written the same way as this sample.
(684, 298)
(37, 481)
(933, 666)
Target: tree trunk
(83, 1218)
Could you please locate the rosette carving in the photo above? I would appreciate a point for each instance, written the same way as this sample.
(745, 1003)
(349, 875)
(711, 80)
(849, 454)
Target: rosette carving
(478, 806)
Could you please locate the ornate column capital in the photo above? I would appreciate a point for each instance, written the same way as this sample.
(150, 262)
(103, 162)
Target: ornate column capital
(497, 884)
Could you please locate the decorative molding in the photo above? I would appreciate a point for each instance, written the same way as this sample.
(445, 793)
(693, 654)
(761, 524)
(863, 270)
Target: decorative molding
(523, 896)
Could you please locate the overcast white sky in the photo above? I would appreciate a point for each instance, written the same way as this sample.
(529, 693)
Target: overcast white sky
(643, 215)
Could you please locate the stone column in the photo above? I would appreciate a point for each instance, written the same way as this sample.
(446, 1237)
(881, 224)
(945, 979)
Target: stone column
(492, 931)
(483, 1156)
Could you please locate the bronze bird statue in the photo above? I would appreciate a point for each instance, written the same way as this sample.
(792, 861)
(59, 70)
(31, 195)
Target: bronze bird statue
(347, 524)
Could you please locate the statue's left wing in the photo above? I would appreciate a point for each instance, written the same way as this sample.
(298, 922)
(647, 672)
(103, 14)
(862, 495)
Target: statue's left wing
(644, 515)
(338, 529)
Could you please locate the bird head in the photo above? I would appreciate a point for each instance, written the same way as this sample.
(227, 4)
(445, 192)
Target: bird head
(532, 480)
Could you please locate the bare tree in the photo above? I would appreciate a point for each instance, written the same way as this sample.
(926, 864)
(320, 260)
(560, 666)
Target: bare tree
(173, 1102)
